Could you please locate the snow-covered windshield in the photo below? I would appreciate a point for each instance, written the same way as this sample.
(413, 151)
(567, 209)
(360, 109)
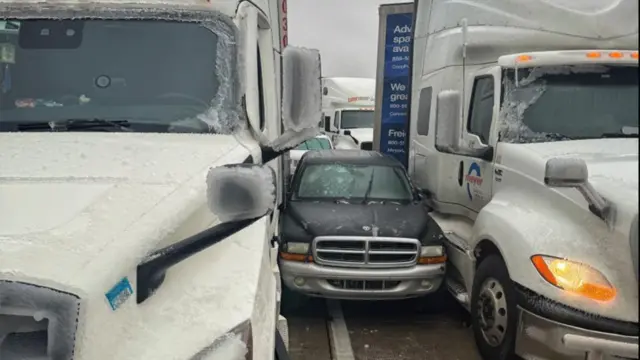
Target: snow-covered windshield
(109, 75)
(356, 119)
(565, 103)
(345, 181)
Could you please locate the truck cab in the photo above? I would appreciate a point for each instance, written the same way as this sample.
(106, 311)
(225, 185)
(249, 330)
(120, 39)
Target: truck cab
(347, 107)
(122, 126)
(524, 138)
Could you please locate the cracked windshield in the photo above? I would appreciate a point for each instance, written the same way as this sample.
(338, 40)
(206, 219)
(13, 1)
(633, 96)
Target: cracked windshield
(319, 180)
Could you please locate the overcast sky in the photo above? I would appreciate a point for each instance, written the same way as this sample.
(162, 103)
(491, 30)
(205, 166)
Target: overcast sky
(345, 32)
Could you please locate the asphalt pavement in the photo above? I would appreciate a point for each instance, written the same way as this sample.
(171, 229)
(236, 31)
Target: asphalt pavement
(427, 328)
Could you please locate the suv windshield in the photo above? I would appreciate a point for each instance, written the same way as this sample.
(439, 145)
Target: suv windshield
(150, 75)
(315, 144)
(565, 103)
(344, 181)
(356, 119)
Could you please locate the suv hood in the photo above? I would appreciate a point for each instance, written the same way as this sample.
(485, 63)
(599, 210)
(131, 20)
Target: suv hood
(328, 218)
(78, 212)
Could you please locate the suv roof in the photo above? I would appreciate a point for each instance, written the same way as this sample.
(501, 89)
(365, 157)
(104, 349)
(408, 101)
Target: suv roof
(358, 157)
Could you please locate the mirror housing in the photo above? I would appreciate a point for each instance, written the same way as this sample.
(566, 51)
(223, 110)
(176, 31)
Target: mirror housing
(327, 123)
(301, 100)
(241, 191)
(448, 120)
(566, 172)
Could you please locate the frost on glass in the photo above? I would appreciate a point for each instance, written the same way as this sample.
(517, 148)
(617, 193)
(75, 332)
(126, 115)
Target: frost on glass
(36, 318)
(241, 192)
(519, 95)
(301, 96)
(225, 114)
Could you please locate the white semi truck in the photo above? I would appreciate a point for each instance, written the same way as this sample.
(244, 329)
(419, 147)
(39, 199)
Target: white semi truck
(139, 173)
(524, 140)
(347, 107)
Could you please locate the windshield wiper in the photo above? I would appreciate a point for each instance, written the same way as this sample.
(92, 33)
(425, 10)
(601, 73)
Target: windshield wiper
(369, 186)
(76, 124)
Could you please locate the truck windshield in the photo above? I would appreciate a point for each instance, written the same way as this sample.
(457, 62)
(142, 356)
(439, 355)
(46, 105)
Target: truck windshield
(566, 103)
(356, 119)
(141, 75)
(344, 181)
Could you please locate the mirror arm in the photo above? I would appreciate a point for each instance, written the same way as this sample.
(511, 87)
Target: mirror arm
(598, 205)
(151, 272)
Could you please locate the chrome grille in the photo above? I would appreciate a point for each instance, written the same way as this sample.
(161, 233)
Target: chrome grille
(367, 252)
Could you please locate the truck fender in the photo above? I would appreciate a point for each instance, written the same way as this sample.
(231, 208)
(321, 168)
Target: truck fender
(518, 228)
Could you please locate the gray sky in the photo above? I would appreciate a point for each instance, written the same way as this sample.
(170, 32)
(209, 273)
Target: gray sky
(345, 32)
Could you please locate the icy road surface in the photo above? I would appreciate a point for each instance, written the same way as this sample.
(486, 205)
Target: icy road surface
(415, 329)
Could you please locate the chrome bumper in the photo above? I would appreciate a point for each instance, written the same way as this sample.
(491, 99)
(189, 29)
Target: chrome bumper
(544, 339)
(412, 281)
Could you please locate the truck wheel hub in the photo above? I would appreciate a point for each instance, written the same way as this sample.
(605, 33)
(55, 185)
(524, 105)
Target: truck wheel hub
(492, 312)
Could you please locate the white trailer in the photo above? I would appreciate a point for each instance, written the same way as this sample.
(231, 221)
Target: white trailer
(524, 139)
(347, 107)
(139, 176)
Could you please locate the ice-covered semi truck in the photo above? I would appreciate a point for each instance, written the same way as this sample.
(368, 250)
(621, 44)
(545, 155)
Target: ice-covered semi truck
(347, 107)
(524, 137)
(139, 174)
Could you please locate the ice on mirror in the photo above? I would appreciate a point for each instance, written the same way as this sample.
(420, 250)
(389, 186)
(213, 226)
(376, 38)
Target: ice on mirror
(301, 100)
(238, 193)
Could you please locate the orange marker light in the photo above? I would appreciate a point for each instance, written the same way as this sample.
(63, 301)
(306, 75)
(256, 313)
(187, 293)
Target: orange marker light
(634, 54)
(615, 54)
(523, 58)
(594, 55)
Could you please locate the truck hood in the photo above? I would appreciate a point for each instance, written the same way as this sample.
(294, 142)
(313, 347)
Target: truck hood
(79, 211)
(328, 218)
(362, 135)
(612, 163)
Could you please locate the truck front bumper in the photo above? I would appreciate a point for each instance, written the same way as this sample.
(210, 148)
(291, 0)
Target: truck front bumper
(552, 331)
(361, 284)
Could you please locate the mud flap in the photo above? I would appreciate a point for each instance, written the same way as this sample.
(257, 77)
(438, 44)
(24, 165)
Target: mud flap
(281, 349)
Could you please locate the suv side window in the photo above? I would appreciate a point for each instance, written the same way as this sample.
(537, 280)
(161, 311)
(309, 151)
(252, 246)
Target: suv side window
(481, 109)
(424, 111)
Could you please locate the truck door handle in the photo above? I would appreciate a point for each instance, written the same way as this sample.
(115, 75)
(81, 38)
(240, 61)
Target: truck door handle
(460, 173)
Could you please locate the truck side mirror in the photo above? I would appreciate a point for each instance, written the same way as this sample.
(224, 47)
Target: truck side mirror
(327, 123)
(574, 173)
(239, 195)
(301, 88)
(448, 121)
(566, 172)
(347, 132)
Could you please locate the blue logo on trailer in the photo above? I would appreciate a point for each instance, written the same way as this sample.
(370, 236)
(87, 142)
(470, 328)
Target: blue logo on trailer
(473, 177)
(395, 90)
(119, 293)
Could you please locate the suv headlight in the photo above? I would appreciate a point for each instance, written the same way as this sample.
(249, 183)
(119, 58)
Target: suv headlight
(237, 344)
(37, 322)
(430, 255)
(574, 277)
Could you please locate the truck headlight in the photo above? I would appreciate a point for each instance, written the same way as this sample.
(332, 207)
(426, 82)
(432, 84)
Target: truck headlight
(37, 321)
(574, 277)
(432, 255)
(237, 344)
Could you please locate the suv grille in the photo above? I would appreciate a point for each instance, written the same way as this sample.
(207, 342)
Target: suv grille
(367, 252)
(366, 145)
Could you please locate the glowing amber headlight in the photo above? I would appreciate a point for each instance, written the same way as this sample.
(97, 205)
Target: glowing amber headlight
(574, 277)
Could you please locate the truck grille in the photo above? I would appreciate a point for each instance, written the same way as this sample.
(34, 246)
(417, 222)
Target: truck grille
(366, 145)
(365, 252)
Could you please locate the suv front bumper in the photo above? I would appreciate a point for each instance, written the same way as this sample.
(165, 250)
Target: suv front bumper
(344, 283)
(552, 331)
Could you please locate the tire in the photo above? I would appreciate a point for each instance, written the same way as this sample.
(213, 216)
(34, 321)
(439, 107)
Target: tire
(494, 307)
